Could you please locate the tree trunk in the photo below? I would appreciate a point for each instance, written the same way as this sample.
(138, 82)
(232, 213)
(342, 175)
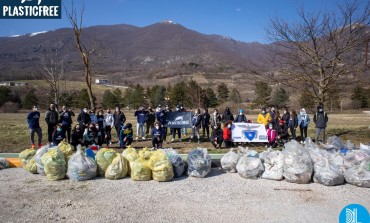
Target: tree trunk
(89, 90)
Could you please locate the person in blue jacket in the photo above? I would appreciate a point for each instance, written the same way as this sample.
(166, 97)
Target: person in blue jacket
(161, 118)
(58, 135)
(141, 116)
(303, 122)
(65, 119)
(196, 122)
(157, 137)
(33, 120)
(126, 135)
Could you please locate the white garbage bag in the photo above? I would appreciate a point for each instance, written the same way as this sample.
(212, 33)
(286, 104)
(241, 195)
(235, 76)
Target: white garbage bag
(229, 161)
(274, 165)
(249, 167)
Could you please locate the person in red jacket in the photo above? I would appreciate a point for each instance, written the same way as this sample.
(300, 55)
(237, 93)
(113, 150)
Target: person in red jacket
(271, 135)
(227, 134)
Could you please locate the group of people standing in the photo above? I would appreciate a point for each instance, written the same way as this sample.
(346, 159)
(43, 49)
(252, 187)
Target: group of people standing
(95, 129)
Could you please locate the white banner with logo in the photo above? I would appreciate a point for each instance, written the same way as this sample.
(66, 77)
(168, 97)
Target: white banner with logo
(248, 132)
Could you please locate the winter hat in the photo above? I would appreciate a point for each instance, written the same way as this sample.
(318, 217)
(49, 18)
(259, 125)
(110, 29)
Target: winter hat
(241, 111)
(281, 121)
(303, 110)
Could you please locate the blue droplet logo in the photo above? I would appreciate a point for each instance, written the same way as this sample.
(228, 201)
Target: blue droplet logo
(354, 213)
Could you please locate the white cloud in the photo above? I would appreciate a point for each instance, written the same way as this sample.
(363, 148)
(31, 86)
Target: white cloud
(238, 9)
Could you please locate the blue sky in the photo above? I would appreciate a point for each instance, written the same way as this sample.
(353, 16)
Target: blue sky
(239, 19)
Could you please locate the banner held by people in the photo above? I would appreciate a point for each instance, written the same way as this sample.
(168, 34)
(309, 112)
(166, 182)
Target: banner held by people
(178, 120)
(246, 132)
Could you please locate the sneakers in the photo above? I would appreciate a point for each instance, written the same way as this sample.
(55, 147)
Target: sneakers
(198, 142)
(137, 138)
(189, 141)
(33, 146)
(143, 138)
(172, 140)
(40, 145)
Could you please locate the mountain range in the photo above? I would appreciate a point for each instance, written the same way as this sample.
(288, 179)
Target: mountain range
(162, 50)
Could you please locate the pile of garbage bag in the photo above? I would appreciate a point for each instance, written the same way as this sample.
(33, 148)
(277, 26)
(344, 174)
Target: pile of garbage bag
(118, 169)
(104, 158)
(178, 163)
(161, 166)
(39, 153)
(297, 163)
(26, 155)
(54, 164)
(81, 167)
(229, 161)
(66, 148)
(273, 162)
(4, 163)
(199, 163)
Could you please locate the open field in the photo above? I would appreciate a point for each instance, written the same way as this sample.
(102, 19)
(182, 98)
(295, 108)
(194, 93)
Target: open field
(14, 135)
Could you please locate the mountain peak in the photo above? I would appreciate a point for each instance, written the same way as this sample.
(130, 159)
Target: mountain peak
(167, 21)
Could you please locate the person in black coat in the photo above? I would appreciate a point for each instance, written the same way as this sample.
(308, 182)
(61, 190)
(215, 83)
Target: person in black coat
(77, 136)
(286, 117)
(119, 120)
(196, 122)
(157, 136)
(217, 136)
(282, 133)
(227, 115)
(84, 119)
(320, 118)
(293, 124)
(58, 135)
(205, 123)
(51, 119)
(150, 119)
(66, 120)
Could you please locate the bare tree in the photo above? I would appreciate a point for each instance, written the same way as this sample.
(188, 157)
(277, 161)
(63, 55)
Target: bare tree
(86, 53)
(54, 70)
(321, 51)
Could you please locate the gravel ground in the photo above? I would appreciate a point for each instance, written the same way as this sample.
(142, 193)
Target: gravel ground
(220, 197)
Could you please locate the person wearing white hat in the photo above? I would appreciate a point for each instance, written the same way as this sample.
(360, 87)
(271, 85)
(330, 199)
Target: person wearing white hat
(303, 122)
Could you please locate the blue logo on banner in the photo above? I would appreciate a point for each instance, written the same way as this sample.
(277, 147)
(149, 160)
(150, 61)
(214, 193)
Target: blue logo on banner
(30, 9)
(354, 213)
(250, 134)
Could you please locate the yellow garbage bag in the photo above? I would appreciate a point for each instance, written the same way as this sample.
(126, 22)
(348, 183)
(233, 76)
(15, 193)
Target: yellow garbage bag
(161, 166)
(130, 154)
(140, 170)
(145, 153)
(55, 165)
(26, 155)
(118, 169)
(66, 148)
(104, 158)
(31, 166)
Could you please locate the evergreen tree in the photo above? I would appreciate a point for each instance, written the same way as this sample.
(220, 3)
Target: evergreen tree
(178, 94)
(279, 98)
(109, 99)
(359, 98)
(210, 99)
(222, 92)
(235, 96)
(159, 95)
(306, 100)
(30, 99)
(83, 99)
(117, 96)
(263, 92)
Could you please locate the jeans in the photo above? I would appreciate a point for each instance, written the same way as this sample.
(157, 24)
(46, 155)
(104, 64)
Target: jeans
(292, 131)
(318, 131)
(164, 130)
(140, 129)
(39, 135)
(195, 131)
(108, 133)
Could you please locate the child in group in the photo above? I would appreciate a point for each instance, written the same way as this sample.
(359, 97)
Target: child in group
(77, 136)
(157, 136)
(58, 135)
(227, 134)
(126, 135)
(271, 136)
(216, 137)
(89, 136)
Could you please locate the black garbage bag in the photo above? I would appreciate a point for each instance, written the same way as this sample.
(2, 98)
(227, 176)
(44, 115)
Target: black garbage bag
(199, 163)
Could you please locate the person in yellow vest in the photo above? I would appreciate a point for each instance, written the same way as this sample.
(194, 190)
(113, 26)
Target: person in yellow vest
(264, 118)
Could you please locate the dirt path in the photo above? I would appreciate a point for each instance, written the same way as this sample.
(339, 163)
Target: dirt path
(217, 198)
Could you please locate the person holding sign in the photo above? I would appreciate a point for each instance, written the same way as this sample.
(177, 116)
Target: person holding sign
(264, 118)
(196, 122)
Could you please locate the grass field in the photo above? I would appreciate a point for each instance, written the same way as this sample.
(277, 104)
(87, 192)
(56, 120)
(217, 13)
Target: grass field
(14, 135)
